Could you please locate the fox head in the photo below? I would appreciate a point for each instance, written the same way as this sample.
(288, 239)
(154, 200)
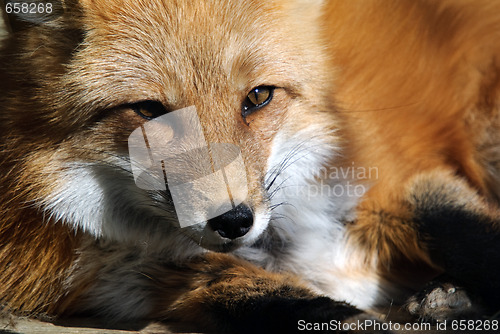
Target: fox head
(75, 88)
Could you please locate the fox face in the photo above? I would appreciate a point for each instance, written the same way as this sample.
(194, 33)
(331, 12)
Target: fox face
(254, 85)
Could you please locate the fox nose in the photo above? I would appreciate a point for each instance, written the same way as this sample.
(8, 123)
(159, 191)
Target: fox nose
(234, 223)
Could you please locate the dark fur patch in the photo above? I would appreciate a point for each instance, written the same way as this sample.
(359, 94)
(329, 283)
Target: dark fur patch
(277, 314)
(462, 238)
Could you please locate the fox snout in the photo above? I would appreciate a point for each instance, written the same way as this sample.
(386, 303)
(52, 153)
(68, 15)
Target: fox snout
(234, 223)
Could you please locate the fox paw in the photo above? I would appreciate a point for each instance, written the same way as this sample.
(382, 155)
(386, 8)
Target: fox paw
(441, 301)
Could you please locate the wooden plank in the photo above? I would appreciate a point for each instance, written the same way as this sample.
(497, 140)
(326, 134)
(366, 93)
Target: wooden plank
(14, 325)
(76, 326)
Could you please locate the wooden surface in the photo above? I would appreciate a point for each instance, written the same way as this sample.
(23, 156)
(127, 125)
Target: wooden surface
(74, 326)
(13, 325)
(26, 326)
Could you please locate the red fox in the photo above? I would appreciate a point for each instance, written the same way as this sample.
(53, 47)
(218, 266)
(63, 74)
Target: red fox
(368, 132)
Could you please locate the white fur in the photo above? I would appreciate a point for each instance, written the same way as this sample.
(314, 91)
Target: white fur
(310, 240)
(78, 200)
(103, 200)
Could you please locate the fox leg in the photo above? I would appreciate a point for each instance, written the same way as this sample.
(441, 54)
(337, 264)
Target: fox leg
(462, 235)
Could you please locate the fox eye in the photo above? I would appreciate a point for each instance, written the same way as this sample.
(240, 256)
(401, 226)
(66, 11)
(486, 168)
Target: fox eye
(256, 99)
(149, 109)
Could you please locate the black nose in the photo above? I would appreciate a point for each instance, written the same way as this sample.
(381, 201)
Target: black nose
(234, 223)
